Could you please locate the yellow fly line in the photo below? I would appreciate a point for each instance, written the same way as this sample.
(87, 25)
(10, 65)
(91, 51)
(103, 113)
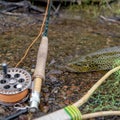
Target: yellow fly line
(40, 33)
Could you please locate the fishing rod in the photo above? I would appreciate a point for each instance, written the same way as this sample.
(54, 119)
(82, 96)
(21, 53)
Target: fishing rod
(39, 74)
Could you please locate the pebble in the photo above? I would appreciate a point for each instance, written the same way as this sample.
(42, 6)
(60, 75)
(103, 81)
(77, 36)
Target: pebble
(67, 102)
(2, 111)
(50, 100)
(65, 87)
(32, 70)
(45, 90)
(52, 78)
(45, 109)
(55, 90)
(23, 117)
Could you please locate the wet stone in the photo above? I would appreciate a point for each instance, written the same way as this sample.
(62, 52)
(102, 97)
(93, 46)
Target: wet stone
(55, 90)
(2, 111)
(45, 90)
(45, 109)
(23, 117)
(52, 78)
(50, 100)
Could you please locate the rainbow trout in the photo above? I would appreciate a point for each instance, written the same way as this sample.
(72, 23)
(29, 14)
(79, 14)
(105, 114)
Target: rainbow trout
(103, 59)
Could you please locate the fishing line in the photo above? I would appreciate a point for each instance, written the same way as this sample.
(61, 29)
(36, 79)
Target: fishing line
(40, 33)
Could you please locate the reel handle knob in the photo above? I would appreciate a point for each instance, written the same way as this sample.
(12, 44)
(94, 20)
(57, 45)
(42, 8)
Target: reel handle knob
(4, 67)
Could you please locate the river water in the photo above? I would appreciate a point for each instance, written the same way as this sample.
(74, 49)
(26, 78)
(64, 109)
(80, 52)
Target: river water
(70, 35)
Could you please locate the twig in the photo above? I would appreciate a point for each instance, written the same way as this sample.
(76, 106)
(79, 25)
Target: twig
(26, 5)
(110, 19)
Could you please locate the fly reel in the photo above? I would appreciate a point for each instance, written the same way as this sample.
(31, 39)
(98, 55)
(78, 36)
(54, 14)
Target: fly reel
(14, 85)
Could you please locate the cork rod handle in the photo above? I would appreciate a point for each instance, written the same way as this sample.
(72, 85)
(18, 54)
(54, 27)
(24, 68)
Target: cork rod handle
(41, 58)
(39, 74)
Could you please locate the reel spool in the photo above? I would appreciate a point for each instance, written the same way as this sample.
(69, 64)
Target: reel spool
(14, 85)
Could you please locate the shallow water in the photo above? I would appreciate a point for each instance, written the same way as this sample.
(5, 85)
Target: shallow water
(68, 38)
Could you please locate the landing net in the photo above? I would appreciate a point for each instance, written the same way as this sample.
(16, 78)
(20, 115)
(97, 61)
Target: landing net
(107, 96)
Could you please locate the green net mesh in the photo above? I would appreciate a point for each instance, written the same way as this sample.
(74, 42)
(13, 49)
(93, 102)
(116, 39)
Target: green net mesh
(107, 96)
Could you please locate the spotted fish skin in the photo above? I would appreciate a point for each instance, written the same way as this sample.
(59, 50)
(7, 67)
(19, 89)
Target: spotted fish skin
(103, 59)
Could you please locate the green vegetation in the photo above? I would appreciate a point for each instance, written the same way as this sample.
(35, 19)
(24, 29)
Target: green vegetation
(96, 8)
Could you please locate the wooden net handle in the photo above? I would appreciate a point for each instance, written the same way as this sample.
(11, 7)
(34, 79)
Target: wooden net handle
(41, 58)
(57, 115)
